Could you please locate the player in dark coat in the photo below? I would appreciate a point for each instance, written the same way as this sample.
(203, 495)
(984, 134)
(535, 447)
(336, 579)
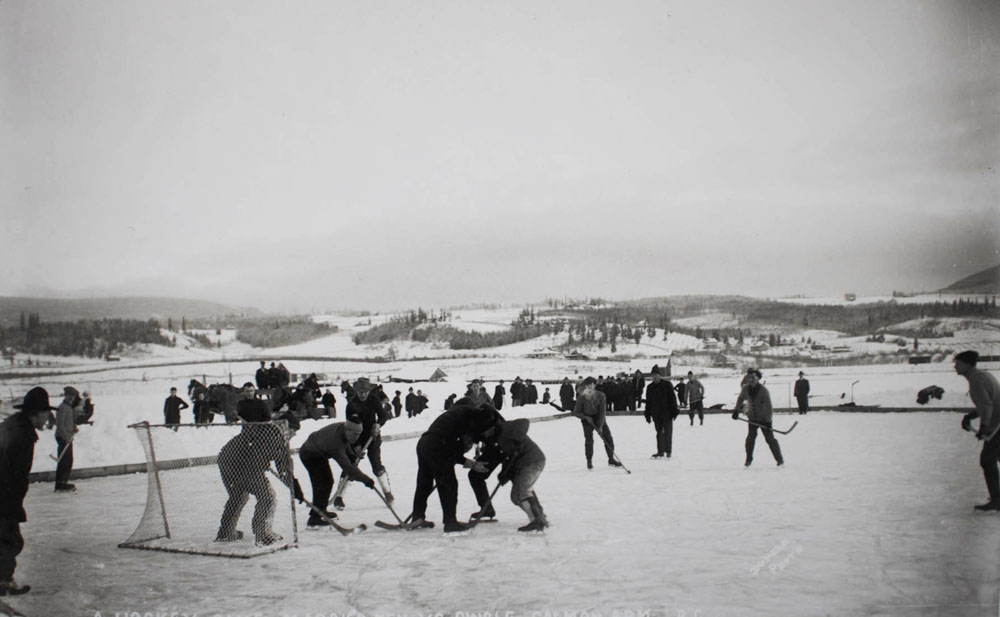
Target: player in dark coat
(339, 441)
(18, 434)
(530, 393)
(517, 392)
(438, 451)
(661, 410)
(371, 406)
(755, 401)
(523, 462)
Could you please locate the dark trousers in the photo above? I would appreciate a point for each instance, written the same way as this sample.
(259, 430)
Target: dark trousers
(988, 461)
(477, 480)
(768, 437)
(435, 465)
(697, 407)
(803, 404)
(588, 440)
(320, 476)
(65, 465)
(240, 484)
(375, 455)
(664, 426)
(11, 544)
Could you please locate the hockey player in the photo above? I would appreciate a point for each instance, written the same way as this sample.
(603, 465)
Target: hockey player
(243, 464)
(661, 410)
(340, 441)
(523, 462)
(755, 401)
(985, 393)
(372, 407)
(591, 408)
(440, 448)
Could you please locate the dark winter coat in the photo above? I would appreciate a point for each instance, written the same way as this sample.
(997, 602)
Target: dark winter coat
(251, 451)
(531, 394)
(329, 400)
(593, 407)
(397, 404)
(660, 400)
(370, 411)
(802, 388)
(17, 452)
(411, 402)
(252, 410)
(172, 407)
(518, 449)
(681, 390)
(498, 393)
(419, 404)
(331, 442)
(756, 403)
(567, 394)
(263, 378)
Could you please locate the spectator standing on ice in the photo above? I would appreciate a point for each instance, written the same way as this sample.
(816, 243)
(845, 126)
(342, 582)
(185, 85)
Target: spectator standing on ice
(87, 410)
(661, 410)
(419, 403)
(329, 403)
(397, 404)
(567, 394)
(681, 390)
(755, 401)
(530, 393)
(802, 393)
(339, 441)
(18, 434)
(202, 415)
(66, 431)
(517, 392)
(638, 387)
(411, 404)
(263, 377)
(985, 394)
(546, 397)
(498, 394)
(476, 395)
(448, 402)
(591, 408)
(696, 399)
(172, 407)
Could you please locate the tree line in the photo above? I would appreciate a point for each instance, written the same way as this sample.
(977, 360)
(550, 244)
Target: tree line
(90, 338)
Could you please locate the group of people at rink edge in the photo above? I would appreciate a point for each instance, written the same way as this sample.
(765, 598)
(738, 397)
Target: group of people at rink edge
(471, 421)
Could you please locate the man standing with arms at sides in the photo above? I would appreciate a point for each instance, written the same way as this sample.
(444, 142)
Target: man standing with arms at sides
(17, 452)
(498, 394)
(411, 404)
(802, 393)
(985, 393)
(696, 399)
(661, 409)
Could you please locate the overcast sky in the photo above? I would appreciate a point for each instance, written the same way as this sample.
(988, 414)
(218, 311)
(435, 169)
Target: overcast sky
(393, 154)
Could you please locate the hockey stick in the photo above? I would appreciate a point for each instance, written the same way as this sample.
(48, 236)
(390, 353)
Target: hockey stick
(64, 450)
(346, 531)
(387, 504)
(486, 506)
(600, 434)
(790, 429)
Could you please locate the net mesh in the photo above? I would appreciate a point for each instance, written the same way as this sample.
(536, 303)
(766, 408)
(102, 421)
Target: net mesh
(216, 489)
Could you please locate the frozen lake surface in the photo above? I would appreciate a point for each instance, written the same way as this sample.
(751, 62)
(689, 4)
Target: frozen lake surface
(871, 516)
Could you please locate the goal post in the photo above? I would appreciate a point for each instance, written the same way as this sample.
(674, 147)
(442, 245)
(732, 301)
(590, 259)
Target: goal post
(209, 490)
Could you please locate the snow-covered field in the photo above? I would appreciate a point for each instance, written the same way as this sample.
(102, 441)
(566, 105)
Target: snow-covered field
(871, 516)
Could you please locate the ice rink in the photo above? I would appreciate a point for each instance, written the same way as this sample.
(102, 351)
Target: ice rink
(872, 515)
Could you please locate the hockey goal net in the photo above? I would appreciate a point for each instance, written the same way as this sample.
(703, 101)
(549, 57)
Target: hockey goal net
(216, 489)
